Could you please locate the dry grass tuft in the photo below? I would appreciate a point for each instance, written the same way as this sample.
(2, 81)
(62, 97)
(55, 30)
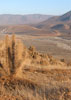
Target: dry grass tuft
(24, 73)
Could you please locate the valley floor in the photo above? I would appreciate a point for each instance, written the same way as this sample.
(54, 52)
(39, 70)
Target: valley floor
(58, 47)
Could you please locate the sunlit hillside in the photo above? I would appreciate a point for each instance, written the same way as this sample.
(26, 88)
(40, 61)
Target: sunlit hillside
(26, 74)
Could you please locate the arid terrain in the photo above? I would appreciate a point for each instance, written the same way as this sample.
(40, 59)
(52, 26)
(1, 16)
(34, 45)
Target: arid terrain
(58, 47)
(26, 74)
(52, 36)
(35, 58)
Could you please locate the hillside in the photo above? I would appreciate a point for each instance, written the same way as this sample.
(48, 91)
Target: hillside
(26, 30)
(26, 74)
(61, 23)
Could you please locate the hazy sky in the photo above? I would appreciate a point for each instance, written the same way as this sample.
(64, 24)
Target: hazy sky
(50, 7)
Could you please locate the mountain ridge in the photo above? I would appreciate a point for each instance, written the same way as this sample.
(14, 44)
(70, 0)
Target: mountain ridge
(61, 23)
(11, 19)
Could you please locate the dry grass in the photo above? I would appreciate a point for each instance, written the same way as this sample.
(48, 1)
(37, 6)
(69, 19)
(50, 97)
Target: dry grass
(26, 74)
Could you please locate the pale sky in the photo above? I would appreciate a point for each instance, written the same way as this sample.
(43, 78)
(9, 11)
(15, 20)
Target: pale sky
(49, 7)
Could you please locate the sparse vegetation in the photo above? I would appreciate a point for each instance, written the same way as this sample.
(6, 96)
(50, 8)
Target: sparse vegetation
(26, 74)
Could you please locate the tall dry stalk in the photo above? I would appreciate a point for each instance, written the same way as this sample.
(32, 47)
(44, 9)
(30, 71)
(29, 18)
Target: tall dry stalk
(7, 55)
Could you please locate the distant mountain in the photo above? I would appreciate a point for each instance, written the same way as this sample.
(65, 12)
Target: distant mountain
(61, 25)
(57, 22)
(7, 19)
(63, 22)
(36, 24)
